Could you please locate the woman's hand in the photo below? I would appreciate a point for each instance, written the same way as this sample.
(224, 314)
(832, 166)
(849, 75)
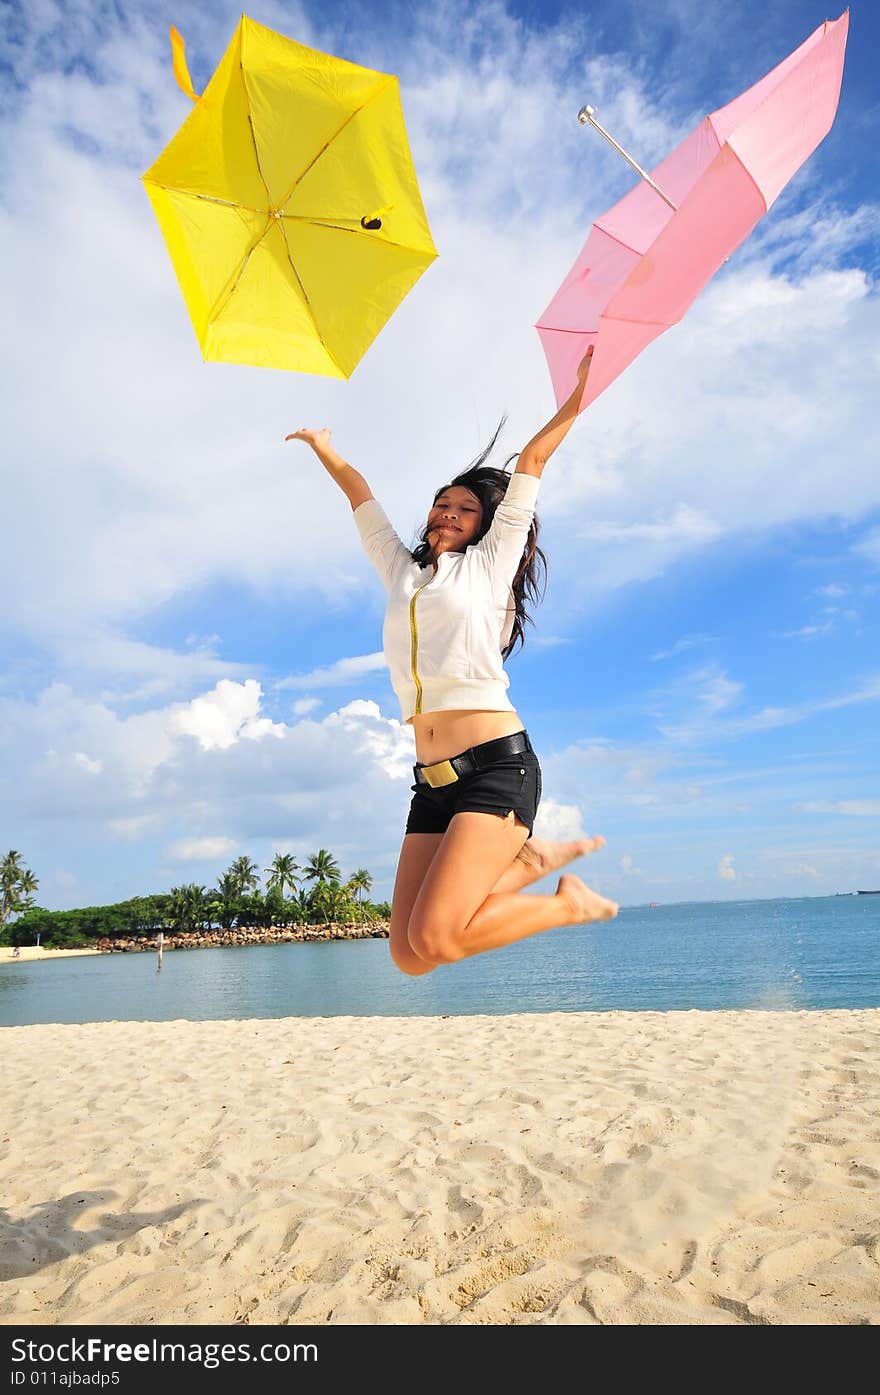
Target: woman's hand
(353, 485)
(535, 455)
(314, 437)
(584, 365)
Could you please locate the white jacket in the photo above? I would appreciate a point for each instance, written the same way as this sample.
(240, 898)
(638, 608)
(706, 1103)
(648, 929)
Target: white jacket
(443, 633)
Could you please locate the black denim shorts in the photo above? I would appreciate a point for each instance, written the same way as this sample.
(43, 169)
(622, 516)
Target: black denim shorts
(509, 782)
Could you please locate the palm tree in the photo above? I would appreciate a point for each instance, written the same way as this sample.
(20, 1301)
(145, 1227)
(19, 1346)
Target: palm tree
(323, 902)
(282, 873)
(17, 884)
(342, 905)
(278, 911)
(321, 867)
(29, 882)
(254, 910)
(186, 907)
(198, 909)
(301, 904)
(360, 882)
(225, 904)
(246, 874)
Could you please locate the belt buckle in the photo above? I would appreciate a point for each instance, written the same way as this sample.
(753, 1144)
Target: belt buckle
(443, 773)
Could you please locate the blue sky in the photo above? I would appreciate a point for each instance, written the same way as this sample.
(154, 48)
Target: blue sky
(189, 639)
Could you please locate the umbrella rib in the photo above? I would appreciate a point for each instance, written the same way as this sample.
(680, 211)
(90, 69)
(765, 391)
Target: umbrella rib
(206, 198)
(301, 176)
(552, 329)
(618, 319)
(619, 240)
(356, 232)
(247, 107)
(628, 320)
(308, 304)
(222, 301)
(725, 145)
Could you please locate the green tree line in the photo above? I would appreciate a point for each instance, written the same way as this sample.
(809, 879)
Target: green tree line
(311, 894)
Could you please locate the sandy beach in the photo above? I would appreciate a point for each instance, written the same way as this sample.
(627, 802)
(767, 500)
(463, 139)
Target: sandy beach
(681, 1167)
(33, 952)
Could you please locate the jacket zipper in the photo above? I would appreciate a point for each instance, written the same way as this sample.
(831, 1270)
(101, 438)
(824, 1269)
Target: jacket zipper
(414, 647)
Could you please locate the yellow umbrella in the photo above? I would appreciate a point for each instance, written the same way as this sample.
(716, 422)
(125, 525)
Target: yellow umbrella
(289, 205)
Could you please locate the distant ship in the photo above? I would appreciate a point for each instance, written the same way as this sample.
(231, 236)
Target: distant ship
(868, 893)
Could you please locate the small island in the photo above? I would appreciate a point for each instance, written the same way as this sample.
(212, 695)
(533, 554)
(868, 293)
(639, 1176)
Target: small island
(299, 904)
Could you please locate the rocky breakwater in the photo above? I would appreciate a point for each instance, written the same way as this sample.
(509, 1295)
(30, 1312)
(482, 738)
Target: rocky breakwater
(215, 939)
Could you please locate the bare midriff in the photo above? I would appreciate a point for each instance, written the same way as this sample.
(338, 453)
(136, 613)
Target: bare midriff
(440, 735)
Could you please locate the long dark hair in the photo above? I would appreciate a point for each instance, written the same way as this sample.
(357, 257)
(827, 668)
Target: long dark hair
(489, 485)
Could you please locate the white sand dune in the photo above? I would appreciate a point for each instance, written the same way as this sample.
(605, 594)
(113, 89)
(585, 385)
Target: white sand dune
(683, 1167)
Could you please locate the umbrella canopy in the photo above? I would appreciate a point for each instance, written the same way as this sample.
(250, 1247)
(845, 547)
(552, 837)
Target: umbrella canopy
(649, 256)
(289, 205)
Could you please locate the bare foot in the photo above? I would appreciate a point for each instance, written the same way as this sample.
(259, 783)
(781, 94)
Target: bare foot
(585, 905)
(542, 857)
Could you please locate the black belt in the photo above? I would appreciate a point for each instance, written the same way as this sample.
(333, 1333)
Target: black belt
(446, 772)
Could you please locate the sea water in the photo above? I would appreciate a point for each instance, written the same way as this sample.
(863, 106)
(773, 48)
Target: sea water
(817, 952)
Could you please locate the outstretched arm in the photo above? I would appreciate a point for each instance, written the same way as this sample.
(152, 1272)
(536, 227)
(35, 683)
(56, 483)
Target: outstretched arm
(353, 485)
(535, 455)
(383, 546)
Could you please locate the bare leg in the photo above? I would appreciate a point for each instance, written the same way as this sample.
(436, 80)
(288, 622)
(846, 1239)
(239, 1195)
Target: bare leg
(506, 917)
(538, 857)
(416, 856)
(457, 914)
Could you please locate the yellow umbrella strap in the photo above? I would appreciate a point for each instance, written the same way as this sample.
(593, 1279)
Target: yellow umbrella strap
(178, 58)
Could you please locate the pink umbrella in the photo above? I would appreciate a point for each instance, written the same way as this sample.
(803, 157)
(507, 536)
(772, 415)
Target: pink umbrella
(649, 256)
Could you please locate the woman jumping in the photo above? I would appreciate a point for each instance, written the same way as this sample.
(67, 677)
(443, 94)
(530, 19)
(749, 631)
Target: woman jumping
(455, 610)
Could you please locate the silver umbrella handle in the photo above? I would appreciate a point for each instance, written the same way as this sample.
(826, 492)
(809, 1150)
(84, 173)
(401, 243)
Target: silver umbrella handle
(588, 114)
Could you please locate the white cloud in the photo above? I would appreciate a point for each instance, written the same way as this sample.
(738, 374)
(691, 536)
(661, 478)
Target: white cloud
(806, 631)
(703, 695)
(854, 808)
(869, 547)
(557, 821)
(201, 849)
(343, 671)
(229, 714)
(388, 741)
(340, 782)
(681, 646)
(726, 870)
(94, 767)
(820, 234)
(767, 718)
(684, 526)
(832, 590)
(744, 448)
(715, 690)
(593, 782)
(304, 705)
(803, 869)
(132, 828)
